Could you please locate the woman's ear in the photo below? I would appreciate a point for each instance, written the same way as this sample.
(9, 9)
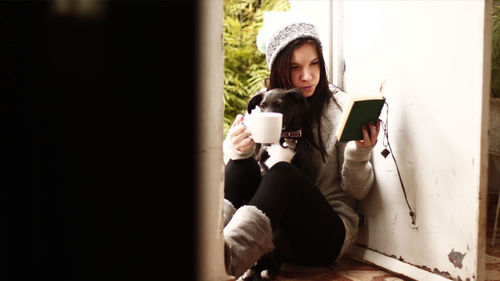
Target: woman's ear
(254, 101)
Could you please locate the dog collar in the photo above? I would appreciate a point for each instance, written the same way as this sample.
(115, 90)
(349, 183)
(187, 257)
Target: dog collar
(291, 134)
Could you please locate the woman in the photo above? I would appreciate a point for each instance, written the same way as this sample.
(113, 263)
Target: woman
(316, 219)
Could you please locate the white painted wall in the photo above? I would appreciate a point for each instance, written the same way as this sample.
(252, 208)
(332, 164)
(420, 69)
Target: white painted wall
(432, 55)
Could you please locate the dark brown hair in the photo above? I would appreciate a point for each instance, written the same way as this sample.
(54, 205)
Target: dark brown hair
(281, 77)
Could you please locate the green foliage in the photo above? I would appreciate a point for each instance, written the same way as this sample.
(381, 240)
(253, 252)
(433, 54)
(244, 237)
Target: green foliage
(495, 53)
(245, 68)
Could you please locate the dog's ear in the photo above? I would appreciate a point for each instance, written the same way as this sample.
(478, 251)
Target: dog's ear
(297, 95)
(254, 101)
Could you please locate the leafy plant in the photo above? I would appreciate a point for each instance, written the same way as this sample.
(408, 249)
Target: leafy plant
(495, 53)
(245, 68)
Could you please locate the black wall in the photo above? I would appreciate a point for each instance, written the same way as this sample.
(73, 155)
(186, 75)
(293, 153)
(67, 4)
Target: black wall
(96, 173)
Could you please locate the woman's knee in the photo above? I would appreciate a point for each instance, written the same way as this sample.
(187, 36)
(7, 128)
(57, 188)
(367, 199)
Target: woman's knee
(288, 172)
(242, 172)
(241, 179)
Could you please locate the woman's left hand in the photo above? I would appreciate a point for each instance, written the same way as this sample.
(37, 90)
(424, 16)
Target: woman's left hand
(369, 138)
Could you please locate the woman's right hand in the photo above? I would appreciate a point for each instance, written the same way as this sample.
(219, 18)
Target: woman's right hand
(239, 135)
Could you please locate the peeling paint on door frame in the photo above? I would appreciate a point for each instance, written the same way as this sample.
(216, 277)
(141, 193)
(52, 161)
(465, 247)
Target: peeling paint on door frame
(456, 256)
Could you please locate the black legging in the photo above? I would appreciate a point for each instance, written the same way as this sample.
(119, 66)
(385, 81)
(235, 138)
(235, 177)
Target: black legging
(294, 206)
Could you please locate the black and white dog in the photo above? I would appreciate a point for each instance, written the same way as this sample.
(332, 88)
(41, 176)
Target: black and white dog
(292, 147)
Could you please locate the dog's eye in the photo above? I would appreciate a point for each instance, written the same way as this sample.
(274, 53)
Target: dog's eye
(277, 104)
(263, 104)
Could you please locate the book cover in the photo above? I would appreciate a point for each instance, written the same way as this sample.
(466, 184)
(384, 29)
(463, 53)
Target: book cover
(359, 111)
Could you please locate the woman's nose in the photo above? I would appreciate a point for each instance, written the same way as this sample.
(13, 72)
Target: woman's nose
(306, 75)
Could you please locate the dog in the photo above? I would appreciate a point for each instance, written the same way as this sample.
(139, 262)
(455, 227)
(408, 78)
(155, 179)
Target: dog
(292, 147)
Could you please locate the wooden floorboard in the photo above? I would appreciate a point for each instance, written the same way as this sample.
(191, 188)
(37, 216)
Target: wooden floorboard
(346, 269)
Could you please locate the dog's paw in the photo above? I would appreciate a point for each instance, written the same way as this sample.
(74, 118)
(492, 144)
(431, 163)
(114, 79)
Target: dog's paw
(267, 274)
(248, 275)
(277, 153)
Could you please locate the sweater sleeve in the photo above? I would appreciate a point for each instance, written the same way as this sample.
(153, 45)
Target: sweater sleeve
(230, 152)
(357, 170)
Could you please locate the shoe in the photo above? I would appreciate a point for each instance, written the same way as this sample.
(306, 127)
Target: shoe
(229, 211)
(248, 236)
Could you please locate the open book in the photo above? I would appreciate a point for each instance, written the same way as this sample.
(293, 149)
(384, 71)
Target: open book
(358, 112)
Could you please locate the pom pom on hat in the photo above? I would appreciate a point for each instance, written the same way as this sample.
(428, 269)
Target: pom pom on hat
(281, 28)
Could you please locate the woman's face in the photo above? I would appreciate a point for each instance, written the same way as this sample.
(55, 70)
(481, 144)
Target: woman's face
(305, 68)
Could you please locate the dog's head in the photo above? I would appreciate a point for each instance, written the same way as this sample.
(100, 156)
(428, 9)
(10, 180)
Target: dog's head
(291, 103)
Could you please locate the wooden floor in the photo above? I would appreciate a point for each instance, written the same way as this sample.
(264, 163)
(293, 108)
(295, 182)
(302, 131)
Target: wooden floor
(347, 269)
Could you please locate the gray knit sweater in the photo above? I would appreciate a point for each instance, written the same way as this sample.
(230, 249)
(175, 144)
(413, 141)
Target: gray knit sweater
(347, 174)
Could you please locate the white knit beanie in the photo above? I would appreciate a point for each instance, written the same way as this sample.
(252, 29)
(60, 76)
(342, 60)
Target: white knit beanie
(281, 28)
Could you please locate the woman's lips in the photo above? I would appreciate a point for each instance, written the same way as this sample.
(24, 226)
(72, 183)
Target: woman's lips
(306, 89)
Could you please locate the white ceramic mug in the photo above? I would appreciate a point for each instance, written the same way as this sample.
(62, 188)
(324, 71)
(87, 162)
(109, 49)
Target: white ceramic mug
(265, 127)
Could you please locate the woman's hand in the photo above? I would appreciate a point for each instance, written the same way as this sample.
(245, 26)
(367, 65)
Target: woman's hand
(369, 139)
(240, 136)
